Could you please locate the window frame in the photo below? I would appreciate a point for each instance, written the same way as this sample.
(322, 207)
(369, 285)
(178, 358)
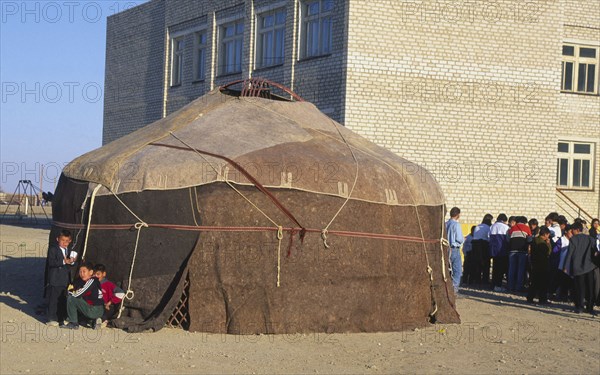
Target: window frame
(260, 31)
(571, 157)
(222, 47)
(200, 47)
(176, 76)
(304, 51)
(576, 60)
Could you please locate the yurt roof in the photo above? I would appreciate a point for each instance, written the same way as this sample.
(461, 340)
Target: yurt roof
(248, 140)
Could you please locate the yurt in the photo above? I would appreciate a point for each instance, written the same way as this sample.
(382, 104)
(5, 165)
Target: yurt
(250, 211)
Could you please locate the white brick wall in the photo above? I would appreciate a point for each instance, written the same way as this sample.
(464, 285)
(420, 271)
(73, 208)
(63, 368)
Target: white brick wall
(469, 89)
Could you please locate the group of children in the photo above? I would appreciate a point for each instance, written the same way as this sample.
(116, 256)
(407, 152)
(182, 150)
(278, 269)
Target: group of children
(559, 260)
(90, 298)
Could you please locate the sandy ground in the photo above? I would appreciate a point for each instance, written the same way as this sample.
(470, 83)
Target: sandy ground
(500, 333)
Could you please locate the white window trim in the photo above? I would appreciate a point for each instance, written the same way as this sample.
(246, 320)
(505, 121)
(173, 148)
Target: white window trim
(576, 60)
(177, 82)
(259, 31)
(302, 51)
(221, 40)
(271, 7)
(571, 155)
(203, 30)
(593, 43)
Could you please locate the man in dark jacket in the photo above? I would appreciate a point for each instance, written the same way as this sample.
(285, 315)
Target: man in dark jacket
(58, 262)
(580, 264)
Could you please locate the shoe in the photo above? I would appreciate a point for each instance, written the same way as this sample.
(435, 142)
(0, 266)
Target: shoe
(577, 310)
(98, 324)
(592, 313)
(70, 326)
(529, 300)
(52, 323)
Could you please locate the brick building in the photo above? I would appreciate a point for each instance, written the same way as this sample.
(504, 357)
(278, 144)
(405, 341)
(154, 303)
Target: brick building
(498, 99)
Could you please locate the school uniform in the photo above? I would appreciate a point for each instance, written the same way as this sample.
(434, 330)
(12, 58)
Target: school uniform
(540, 260)
(58, 279)
(580, 264)
(85, 299)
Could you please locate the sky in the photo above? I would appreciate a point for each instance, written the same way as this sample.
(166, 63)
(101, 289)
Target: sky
(52, 56)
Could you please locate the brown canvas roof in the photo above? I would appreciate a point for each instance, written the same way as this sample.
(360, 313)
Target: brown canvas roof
(281, 144)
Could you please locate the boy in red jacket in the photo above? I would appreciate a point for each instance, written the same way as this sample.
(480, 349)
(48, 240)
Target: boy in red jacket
(112, 294)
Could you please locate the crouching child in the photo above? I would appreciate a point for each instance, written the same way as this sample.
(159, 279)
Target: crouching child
(111, 293)
(86, 299)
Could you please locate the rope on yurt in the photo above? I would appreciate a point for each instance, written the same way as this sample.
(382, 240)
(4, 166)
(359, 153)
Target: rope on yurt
(193, 205)
(245, 173)
(443, 242)
(380, 236)
(279, 227)
(326, 229)
(279, 238)
(89, 223)
(129, 294)
(434, 306)
(218, 172)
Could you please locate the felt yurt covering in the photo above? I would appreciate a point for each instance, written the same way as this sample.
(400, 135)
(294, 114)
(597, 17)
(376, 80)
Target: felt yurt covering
(245, 214)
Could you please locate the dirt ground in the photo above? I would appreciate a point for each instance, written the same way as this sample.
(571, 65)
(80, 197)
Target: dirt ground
(500, 333)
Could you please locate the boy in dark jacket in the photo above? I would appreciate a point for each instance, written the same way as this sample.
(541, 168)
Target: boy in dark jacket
(85, 299)
(540, 261)
(58, 262)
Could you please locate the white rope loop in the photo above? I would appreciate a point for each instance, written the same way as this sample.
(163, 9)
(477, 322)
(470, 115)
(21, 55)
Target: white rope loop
(129, 294)
(89, 223)
(324, 238)
(443, 242)
(279, 238)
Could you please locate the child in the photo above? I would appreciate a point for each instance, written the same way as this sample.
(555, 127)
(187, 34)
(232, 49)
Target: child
(58, 263)
(565, 283)
(85, 299)
(111, 294)
(540, 260)
(468, 265)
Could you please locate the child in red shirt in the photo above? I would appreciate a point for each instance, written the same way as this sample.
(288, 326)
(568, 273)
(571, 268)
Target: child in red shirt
(112, 294)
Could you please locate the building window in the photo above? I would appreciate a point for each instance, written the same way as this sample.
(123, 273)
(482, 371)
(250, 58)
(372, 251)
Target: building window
(200, 56)
(575, 165)
(176, 61)
(271, 39)
(316, 35)
(580, 69)
(231, 35)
